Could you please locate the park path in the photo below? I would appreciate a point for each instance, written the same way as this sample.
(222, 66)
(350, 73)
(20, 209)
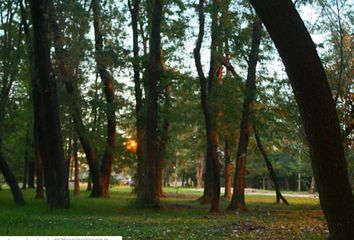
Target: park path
(253, 191)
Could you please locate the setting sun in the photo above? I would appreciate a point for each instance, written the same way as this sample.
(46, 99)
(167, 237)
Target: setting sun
(131, 145)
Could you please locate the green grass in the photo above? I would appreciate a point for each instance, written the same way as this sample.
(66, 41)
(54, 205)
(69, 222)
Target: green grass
(118, 215)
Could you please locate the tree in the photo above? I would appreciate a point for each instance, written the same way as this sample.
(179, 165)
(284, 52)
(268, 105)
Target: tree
(11, 180)
(337, 17)
(68, 71)
(147, 194)
(208, 101)
(270, 169)
(238, 196)
(228, 164)
(164, 129)
(34, 166)
(107, 79)
(134, 8)
(317, 110)
(39, 173)
(26, 158)
(76, 167)
(47, 111)
(10, 48)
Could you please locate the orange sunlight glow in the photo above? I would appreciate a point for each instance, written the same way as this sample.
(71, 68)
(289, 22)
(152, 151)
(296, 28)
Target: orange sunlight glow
(131, 145)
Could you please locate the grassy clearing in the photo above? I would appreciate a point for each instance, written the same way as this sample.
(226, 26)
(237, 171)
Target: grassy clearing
(117, 215)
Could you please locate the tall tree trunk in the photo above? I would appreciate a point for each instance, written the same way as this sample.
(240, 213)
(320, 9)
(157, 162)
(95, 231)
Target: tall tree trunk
(317, 110)
(47, 111)
(207, 194)
(39, 172)
(11, 181)
(183, 178)
(147, 194)
(270, 168)
(89, 183)
(159, 172)
(25, 172)
(5, 169)
(238, 196)
(162, 157)
(208, 104)
(90, 156)
(224, 49)
(95, 119)
(199, 170)
(135, 11)
(164, 131)
(80, 130)
(69, 157)
(35, 165)
(26, 163)
(313, 185)
(69, 77)
(228, 165)
(211, 120)
(31, 163)
(31, 171)
(89, 152)
(107, 79)
(208, 182)
(76, 167)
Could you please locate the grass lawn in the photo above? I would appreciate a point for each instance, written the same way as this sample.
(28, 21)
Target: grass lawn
(181, 218)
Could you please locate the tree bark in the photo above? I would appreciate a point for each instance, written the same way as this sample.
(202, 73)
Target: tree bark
(76, 168)
(89, 183)
(27, 167)
(31, 171)
(164, 129)
(199, 170)
(5, 169)
(69, 157)
(147, 194)
(39, 172)
(313, 185)
(11, 181)
(26, 162)
(107, 79)
(317, 110)
(47, 111)
(208, 182)
(238, 197)
(211, 120)
(270, 168)
(25, 171)
(207, 194)
(228, 165)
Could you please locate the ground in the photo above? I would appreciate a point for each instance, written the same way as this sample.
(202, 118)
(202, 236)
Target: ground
(180, 218)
